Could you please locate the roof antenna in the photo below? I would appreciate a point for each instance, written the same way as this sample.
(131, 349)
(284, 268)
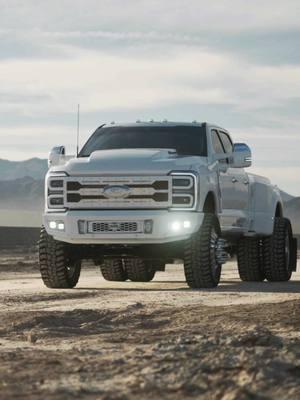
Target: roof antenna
(78, 122)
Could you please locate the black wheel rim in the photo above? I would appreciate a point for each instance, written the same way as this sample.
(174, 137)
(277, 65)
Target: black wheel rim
(71, 268)
(214, 237)
(287, 249)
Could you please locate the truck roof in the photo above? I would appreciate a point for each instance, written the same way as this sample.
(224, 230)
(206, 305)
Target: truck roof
(160, 123)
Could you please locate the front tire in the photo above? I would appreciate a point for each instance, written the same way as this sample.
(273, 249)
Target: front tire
(139, 270)
(201, 267)
(58, 269)
(249, 260)
(277, 252)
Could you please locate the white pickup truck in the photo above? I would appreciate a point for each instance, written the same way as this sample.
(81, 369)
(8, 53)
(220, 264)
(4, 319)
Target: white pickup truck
(141, 195)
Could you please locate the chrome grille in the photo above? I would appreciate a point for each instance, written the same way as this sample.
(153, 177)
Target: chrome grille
(118, 192)
(113, 227)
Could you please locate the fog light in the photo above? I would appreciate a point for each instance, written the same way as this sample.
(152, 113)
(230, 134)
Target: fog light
(61, 226)
(187, 224)
(148, 226)
(52, 224)
(176, 226)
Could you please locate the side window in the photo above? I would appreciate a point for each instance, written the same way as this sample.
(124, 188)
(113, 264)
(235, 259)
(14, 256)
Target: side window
(216, 142)
(227, 143)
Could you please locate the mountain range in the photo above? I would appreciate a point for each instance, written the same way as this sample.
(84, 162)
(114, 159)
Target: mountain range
(22, 194)
(35, 168)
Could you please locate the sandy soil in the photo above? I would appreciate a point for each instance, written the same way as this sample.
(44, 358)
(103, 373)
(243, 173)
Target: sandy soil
(157, 340)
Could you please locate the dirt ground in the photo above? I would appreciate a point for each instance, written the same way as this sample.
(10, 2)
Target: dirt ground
(157, 340)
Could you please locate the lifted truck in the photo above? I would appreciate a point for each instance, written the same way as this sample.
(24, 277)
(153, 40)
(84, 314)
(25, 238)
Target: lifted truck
(141, 195)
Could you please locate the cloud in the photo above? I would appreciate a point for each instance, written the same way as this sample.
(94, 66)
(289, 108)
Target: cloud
(36, 141)
(148, 15)
(231, 62)
(102, 81)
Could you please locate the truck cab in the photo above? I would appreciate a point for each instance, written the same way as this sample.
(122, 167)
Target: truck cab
(141, 195)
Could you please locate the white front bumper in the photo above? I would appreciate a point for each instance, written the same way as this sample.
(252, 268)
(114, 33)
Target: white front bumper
(163, 228)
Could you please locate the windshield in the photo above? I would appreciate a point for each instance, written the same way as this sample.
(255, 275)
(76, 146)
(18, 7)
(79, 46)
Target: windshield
(186, 140)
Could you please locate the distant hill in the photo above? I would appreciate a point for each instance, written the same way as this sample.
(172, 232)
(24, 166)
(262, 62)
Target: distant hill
(35, 168)
(293, 205)
(22, 194)
(20, 218)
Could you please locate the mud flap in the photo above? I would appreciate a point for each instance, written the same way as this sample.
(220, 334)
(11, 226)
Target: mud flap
(294, 248)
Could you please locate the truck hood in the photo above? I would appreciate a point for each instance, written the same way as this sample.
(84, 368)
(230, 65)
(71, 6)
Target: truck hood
(130, 162)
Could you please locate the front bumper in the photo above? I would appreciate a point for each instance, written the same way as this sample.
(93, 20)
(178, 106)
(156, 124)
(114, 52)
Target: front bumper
(164, 224)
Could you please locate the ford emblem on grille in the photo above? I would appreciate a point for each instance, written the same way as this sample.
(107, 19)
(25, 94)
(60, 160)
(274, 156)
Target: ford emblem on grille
(116, 192)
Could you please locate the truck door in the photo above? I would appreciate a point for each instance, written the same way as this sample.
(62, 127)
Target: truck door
(226, 184)
(239, 178)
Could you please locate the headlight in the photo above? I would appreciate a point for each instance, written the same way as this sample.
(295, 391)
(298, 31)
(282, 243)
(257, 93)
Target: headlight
(184, 191)
(56, 201)
(56, 183)
(55, 190)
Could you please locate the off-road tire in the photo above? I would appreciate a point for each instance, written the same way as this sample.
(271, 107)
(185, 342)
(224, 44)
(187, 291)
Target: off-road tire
(112, 270)
(138, 270)
(275, 263)
(200, 265)
(249, 260)
(58, 270)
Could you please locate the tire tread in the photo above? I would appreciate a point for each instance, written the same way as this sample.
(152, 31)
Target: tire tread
(52, 263)
(197, 256)
(275, 267)
(138, 270)
(249, 260)
(112, 270)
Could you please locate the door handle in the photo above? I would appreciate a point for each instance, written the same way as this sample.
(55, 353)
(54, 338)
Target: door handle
(246, 182)
(234, 180)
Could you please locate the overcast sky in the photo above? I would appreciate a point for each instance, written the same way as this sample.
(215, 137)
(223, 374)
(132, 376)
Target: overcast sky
(231, 62)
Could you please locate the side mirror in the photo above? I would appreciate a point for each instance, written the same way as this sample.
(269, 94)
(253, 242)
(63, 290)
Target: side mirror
(56, 156)
(242, 157)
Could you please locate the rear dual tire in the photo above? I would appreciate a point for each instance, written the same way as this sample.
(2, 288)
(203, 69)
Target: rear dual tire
(134, 269)
(268, 258)
(139, 270)
(112, 270)
(250, 263)
(277, 252)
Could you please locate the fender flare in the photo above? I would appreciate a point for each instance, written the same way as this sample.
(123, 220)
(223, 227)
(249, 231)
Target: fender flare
(210, 204)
